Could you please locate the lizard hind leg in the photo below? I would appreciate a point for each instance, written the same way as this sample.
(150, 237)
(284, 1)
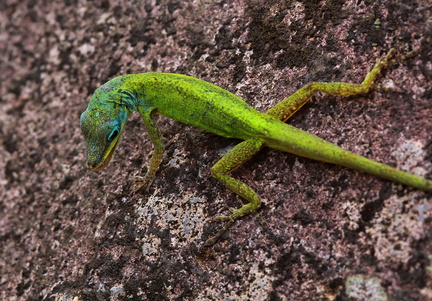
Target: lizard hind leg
(229, 162)
(287, 107)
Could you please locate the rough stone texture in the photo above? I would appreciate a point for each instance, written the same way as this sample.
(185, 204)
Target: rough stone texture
(67, 232)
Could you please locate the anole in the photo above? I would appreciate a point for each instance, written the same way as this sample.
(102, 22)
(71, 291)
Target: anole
(204, 105)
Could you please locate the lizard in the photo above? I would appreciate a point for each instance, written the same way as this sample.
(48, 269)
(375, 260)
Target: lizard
(201, 104)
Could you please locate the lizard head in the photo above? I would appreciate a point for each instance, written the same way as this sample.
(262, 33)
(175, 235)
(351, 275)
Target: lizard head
(103, 121)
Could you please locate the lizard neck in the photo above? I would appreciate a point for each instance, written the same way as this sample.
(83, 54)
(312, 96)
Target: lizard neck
(136, 87)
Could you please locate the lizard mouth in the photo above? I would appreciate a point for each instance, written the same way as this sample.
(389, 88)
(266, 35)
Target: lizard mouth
(107, 159)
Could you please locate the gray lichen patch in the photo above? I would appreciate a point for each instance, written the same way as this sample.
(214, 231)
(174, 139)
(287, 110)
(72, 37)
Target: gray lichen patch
(183, 218)
(400, 224)
(364, 288)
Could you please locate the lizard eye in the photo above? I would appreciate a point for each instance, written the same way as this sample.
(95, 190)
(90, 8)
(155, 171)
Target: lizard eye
(114, 133)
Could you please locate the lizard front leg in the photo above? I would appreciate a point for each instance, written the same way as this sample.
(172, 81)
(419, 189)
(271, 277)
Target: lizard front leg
(228, 163)
(158, 151)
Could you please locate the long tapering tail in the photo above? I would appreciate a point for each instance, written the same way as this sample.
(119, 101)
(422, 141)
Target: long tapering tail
(301, 143)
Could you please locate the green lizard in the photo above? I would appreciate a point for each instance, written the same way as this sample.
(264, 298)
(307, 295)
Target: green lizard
(204, 105)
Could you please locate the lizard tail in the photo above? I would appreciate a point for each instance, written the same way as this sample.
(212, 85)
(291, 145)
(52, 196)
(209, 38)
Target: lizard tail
(301, 143)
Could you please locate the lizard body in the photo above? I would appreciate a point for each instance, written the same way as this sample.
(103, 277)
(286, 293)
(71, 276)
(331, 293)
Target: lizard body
(201, 104)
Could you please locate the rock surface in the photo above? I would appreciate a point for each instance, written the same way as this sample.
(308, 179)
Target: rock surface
(330, 233)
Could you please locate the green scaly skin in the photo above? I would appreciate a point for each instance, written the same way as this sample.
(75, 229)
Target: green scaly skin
(204, 105)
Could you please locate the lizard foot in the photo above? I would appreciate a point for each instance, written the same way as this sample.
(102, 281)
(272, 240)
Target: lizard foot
(230, 219)
(143, 181)
(409, 55)
(212, 240)
(224, 218)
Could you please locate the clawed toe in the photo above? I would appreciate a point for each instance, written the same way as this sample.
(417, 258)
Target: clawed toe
(137, 179)
(230, 209)
(222, 218)
(136, 188)
(212, 240)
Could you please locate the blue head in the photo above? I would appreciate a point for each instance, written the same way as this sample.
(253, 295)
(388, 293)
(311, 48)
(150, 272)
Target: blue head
(103, 121)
